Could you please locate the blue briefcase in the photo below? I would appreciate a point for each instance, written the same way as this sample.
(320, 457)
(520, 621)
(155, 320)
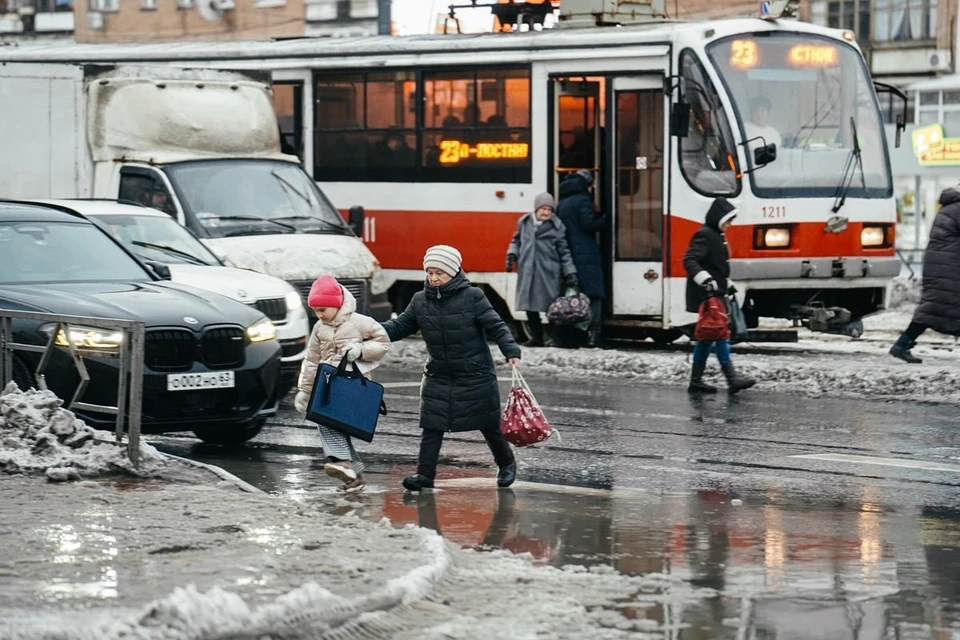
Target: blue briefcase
(346, 400)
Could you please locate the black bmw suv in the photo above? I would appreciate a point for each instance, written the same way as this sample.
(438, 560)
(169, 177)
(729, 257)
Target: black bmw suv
(53, 260)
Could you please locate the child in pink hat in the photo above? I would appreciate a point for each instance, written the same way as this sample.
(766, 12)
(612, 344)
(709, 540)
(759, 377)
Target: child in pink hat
(341, 331)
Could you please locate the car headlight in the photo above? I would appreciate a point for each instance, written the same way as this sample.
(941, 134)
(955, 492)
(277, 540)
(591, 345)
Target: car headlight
(86, 337)
(378, 284)
(771, 237)
(294, 301)
(873, 237)
(262, 331)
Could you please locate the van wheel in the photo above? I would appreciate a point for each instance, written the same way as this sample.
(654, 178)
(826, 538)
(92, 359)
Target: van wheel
(230, 435)
(23, 376)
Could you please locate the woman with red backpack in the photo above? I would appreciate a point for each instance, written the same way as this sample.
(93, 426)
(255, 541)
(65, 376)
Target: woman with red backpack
(707, 262)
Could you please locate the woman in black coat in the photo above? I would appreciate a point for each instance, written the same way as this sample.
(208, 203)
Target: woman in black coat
(459, 391)
(939, 307)
(707, 263)
(577, 214)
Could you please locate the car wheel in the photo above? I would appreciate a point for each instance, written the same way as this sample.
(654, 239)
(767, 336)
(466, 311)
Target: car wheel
(23, 376)
(230, 435)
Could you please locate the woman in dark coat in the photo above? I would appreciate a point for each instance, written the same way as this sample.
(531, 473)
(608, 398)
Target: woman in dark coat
(707, 263)
(577, 214)
(459, 391)
(540, 252)
(939, 307)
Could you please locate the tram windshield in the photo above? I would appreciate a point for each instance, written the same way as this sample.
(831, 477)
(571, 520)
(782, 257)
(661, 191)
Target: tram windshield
(810, 96)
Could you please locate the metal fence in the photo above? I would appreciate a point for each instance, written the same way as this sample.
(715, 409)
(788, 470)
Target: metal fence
(128, 353)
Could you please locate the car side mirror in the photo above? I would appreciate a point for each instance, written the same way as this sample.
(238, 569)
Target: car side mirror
(161, 270)
(680, 119)
(764, 155)
(355, 219)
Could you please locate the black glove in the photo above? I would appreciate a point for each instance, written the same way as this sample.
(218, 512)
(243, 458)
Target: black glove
(511, 261)
(572, 281)
(710, 286)
(731, 290)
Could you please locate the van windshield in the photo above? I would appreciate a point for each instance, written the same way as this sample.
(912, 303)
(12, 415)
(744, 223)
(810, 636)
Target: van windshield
(253, 197)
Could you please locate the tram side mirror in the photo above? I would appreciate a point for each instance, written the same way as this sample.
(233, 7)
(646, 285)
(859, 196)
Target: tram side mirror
(355, 220)
(764, 155)
(901, 126)
(680, 119)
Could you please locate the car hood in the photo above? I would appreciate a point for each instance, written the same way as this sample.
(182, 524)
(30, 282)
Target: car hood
(239, 284)
(157, 304)
(298, 256)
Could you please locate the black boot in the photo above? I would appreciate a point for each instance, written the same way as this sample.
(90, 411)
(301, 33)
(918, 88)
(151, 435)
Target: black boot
(595, 340)
(507, 475)
(697, 385)
(901, 349)
(417, 483)
(536, 334)
(736, 382)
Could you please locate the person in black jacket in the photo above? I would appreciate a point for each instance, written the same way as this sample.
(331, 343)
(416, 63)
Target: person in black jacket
(707, 262)
(459, 391)
(939, 307)
(582, 222)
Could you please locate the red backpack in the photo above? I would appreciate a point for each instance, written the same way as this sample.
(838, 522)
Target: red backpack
(713, 324)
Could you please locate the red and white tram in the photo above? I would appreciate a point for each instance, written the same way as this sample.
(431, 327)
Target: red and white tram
(447, 139)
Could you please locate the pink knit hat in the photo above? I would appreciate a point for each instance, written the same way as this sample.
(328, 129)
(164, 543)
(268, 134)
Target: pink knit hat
(325, 292)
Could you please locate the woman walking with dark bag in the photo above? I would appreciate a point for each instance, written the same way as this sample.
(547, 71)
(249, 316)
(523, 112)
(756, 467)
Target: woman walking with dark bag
(540, 252)
(707, 262)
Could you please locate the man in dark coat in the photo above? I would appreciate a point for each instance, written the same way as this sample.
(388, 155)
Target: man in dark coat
(939, 307)
(578, 215)
(707, 263)
(459, 391)
(540, 252)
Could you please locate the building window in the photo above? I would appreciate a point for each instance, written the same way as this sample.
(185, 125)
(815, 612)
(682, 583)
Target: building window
(449, 126)
(148, 5)
(900, 20)
(708, 158)
(939, 107)
(851, 14)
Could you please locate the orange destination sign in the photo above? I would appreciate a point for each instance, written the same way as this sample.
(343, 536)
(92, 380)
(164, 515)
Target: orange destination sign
(453, 151)
(808, 55)
(932, 147)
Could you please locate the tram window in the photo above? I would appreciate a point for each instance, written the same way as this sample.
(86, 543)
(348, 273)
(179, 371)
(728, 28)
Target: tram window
(708, 159)
(287, 98)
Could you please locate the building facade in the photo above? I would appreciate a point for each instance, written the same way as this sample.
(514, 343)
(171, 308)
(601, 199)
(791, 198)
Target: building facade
(36, 20)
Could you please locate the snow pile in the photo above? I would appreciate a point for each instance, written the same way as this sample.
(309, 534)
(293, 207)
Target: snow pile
(38, 435)
(904, 293)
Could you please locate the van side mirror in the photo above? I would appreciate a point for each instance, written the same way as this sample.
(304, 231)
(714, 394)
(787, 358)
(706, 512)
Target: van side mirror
(161, 270)
(764, 155)
(680, 119)
(355, 219)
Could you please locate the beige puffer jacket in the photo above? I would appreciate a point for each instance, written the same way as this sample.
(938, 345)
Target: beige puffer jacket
(329, 342)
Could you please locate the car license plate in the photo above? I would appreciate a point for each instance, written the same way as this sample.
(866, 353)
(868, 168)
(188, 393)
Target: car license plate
(194, 381)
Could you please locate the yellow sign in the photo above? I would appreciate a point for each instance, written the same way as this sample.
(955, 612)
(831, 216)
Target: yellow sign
(933, 148)
(808, 55)
(453, 151)
(744, 54)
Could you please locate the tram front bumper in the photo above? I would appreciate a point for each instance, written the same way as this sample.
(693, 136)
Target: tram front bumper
(758, 269)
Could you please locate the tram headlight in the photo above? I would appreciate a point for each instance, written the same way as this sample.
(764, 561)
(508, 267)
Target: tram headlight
(875, 236)
(771, 238)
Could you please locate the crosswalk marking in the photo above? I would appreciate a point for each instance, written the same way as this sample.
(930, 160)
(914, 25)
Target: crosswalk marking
(922, 465)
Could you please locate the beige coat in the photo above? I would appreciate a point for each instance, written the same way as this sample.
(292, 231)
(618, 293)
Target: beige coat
(329, 342)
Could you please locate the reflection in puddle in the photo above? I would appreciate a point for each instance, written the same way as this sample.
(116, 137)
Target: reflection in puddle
(802, 570)
(91, 542)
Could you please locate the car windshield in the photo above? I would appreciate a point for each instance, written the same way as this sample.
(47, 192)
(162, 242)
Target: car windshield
(157, 238)
(809, 95)
(34, 252)
(250, 197)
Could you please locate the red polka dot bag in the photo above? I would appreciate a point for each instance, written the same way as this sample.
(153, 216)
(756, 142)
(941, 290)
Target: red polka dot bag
(523, 423)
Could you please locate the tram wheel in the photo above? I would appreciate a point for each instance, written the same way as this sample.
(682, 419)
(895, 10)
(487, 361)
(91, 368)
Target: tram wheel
(663, 337)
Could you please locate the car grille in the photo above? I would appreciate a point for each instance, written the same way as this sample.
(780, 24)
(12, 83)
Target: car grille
(273, 308)
(169, 349)
(178, 349)
(357, 287)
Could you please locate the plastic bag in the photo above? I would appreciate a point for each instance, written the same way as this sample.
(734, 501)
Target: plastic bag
(522, 422)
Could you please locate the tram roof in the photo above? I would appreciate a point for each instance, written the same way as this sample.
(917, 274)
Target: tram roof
(364, 46)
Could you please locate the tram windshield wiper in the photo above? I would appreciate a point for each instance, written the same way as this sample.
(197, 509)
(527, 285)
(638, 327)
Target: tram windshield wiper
(854, 161)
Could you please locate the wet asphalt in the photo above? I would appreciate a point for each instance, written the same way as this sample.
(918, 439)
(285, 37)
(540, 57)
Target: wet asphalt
(813, 518)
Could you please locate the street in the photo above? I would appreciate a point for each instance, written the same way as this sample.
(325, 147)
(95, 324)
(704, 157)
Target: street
(787, 506)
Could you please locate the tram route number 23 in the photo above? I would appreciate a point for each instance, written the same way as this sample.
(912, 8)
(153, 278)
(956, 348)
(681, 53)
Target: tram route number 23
(773, 211)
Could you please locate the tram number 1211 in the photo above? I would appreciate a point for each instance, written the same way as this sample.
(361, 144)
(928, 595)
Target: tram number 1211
(774, 211)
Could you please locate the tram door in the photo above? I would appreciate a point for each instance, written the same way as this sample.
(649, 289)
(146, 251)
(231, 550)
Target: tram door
(577, 129)
(637, 197)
